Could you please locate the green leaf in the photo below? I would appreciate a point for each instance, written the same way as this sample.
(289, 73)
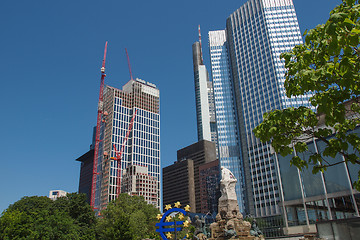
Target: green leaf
(337, 17)
(347, 20)
(355, 31)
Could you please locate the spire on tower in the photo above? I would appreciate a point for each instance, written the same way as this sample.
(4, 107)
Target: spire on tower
(202, 60)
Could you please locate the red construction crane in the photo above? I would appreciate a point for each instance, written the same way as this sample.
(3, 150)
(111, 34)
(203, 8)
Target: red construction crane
(97, 136)
(128, 60)
(119, 154)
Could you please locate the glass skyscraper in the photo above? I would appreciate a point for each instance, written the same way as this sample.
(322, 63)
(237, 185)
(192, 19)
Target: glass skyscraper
(248, 79)
(205, 108)
(229, 149)
(130, 128)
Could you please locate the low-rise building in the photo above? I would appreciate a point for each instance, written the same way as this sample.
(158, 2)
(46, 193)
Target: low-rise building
(54, 194)
(137, 181)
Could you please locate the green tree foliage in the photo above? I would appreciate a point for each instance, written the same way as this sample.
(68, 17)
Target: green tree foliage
(80, 211)
(42, 218)
(327, 65)
(126, 218)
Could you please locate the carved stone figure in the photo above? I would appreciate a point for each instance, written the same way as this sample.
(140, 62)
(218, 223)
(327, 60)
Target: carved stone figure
(255, 230)
(229, 221)
(227, 185)
(230, 232)
(198, 224)
(228, 205)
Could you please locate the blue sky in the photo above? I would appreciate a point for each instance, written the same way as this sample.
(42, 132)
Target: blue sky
(51, 54)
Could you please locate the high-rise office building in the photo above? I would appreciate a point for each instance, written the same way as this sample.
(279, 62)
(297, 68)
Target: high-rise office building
(178, 183)
(86, 171)
(130, 131)
(181, 180)
(209, 181)
(229, 149)
(248, 80)
(204, 96)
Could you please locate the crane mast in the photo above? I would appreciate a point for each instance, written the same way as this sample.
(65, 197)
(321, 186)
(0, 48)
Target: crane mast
(97, 135)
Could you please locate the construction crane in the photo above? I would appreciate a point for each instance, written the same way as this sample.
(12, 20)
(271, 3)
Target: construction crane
(119, 154)
(128, 60)
(131, 124)
(97, 136)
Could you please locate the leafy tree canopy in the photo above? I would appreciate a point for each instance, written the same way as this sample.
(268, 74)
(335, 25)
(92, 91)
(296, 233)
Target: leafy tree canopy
(42, 218)
(126, 218)
(327, 65)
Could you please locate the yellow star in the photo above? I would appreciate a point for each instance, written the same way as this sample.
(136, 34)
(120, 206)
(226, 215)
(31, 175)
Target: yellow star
(181, 216)
(187, 235)
(186, 223)
(187, 208)
(177, 204)
(167, 207)
(168, 218)
(168, 235)
(158, 216)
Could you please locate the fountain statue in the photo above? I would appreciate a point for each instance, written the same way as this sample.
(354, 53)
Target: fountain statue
(229, 221)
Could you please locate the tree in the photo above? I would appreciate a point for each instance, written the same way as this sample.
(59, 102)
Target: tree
(126, 218)
(42, 218)
(75, 205)
(327, 65)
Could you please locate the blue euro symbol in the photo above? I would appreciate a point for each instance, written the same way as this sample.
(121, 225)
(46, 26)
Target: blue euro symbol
(162, 223)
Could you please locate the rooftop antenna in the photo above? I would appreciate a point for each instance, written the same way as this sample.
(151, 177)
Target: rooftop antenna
(127, 55)
(202, 60)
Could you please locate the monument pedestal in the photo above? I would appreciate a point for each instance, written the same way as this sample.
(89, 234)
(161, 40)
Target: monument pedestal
(229, 221)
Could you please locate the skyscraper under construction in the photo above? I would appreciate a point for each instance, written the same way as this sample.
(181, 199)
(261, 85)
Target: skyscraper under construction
(130, 133)
(127, 137)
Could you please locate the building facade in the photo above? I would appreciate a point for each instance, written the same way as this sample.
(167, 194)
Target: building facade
(54, 194)
(86, 171)
(178, 183)
(307, 199)
(324, 198)
(181, 180)
(201, 152)
(209, 180)
(204, 96)
(136, 181)
(130, 133)
(248, 74)
(229, 149)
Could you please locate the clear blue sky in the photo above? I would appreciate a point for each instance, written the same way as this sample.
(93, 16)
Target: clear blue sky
(51, 54)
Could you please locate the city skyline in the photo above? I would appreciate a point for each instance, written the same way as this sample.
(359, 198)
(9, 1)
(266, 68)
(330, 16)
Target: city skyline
(52, 57)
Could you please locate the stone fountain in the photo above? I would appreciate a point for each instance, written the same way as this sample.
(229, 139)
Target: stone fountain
(229, 221)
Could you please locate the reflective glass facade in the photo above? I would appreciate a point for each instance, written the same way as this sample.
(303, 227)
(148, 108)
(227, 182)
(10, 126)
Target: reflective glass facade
(252, 77)
(309, 198)
(229, 150)
(204, 96)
